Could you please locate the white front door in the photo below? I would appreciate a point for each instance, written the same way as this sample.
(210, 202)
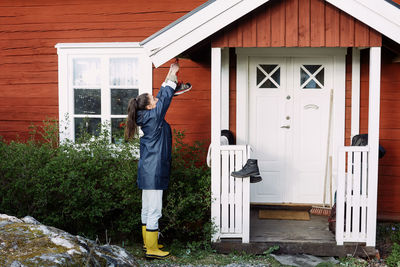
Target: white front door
(289, 100)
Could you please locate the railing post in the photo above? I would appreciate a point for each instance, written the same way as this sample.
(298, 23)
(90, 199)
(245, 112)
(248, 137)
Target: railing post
(340, 198)
(246, 202)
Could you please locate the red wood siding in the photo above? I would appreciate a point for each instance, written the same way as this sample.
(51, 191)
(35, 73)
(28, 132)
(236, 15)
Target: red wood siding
(389, 169)
(29, 64)
(297, 23)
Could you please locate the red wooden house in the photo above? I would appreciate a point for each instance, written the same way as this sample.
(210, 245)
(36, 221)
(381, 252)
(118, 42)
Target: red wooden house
(294, 80)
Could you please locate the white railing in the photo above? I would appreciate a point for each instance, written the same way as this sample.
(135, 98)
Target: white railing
(352, 195)
(234, 219)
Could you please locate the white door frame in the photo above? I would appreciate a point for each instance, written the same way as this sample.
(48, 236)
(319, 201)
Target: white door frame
(339, 86)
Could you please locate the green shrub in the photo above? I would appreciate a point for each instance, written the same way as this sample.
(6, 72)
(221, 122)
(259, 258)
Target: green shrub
(393, 259)
(90, 188)
(186, 212)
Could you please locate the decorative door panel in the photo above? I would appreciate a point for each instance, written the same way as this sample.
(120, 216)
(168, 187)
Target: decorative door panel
(312, 82)
(268, 84)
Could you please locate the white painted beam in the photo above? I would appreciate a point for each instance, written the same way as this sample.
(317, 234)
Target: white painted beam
(373, 140)
(339, 112)
(242, 99)
(215, 140)
(355, 93)
(225, 89)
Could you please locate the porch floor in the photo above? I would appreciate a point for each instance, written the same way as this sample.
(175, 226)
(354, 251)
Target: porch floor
(293, 237)
(315, 230)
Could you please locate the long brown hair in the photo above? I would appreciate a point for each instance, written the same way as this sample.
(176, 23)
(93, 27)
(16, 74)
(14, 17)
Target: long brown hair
(135, 104)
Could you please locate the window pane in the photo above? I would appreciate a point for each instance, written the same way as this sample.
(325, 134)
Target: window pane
(303, 76)
(87, 101)
(124, 72)
(88, 125)
(260, 76)
(268, 68)
(320, 76)
(312, 68)
(277, 76)
(268, 84)
(312, 85)
(120, 99)
(86, 71)
(117, 130)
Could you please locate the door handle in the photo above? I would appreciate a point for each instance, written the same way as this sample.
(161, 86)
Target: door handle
(286, 126)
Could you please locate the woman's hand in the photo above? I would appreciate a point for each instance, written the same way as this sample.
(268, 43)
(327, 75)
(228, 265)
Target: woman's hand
(174, 68)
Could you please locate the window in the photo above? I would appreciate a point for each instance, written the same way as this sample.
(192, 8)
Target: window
(268, 76)
(96, 82)
(312, 76)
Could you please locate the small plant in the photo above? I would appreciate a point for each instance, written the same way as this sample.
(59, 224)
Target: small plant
(353, 262)
(393, 260)
(270, 250)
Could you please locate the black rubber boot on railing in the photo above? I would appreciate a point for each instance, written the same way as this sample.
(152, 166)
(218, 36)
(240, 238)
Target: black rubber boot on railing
(255, 179)
(250, 169)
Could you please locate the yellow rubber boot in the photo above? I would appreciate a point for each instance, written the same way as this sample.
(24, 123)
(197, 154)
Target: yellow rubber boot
(153, 252)
(144, 238)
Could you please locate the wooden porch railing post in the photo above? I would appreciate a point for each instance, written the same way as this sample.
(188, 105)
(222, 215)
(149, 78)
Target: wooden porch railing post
(340, 198)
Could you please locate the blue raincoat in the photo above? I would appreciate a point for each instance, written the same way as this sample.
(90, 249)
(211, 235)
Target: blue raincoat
(155, 145)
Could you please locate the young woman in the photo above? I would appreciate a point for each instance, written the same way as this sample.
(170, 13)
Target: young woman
(148, 112)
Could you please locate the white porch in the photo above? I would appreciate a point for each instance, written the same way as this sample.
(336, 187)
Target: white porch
(354, 169)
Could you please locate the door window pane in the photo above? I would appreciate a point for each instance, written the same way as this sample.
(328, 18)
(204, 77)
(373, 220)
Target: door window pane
(312, 76)
(86, 71)
(91, 126)
(268, 76)
(124, 72)
(120, 99)
(87, 101)
(117, 130)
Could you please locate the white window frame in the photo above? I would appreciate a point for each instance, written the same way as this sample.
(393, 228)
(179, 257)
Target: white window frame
(67, 51)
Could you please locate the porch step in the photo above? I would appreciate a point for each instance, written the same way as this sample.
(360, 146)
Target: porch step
(311, 248)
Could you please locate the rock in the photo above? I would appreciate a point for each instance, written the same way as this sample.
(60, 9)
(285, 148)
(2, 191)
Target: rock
(27, 242)
(305, 260)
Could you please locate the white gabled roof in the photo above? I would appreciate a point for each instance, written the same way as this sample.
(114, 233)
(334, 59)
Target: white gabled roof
(214, 15)
(377, 14)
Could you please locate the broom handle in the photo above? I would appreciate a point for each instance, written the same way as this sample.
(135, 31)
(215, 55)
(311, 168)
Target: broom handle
(328, 144)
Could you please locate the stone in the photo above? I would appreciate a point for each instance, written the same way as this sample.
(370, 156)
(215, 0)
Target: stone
(27, 242)
(304, 260)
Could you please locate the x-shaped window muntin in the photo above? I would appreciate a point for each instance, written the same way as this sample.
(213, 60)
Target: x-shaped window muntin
(268, 76)
(312, 76)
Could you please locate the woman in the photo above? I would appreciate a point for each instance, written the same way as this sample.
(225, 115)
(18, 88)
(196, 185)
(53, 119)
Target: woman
(148, 112)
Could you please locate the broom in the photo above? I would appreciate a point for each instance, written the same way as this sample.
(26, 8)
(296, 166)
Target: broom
(325, 210)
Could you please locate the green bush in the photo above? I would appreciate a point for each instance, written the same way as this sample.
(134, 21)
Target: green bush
(393, 259)
(186, 212)
(90, 188)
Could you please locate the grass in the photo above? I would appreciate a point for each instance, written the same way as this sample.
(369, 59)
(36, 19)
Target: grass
(196, 255)
(181, 256)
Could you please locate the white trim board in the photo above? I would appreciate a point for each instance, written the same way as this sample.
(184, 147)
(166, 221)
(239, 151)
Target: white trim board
(378, 14)
(170, 42)
(196, 28)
